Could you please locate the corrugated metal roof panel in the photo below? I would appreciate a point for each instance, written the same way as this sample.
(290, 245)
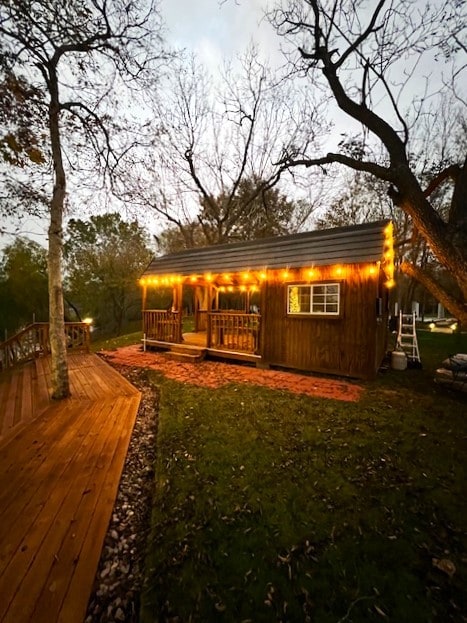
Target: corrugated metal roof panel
(343, 245)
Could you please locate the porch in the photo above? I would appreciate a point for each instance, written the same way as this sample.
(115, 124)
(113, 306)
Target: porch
(226, 334)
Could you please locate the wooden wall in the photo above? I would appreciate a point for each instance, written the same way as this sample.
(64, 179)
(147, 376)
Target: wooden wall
(351, 345)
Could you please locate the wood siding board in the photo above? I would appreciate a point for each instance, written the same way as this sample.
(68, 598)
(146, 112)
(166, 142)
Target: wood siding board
(344, 345)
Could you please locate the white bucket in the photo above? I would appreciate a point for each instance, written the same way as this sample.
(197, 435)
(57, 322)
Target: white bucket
(398, 360)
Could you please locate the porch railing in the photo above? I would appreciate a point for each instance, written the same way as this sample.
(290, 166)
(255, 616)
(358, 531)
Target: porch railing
(162, 325)
(33, 341)
(234, 331)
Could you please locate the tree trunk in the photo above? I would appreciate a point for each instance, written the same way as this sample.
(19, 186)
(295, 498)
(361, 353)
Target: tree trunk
(436, 233)
(456, 308)
(58, 346)
(409, 196)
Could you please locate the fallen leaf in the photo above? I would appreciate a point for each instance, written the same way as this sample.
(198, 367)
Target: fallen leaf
(445, 565)
(380, 612)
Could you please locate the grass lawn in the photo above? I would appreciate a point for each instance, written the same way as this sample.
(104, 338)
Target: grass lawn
(275, 507)
(112, 342)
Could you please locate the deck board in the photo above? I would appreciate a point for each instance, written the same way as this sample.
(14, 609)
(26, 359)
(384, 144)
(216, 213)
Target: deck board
(10, 404)
(26, 406)
(60, 467)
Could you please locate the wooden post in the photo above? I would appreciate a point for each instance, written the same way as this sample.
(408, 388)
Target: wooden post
(143, 309)
(177, 298)
(211, 298)
(87, 338)
(208, 330)
(177, 306)
(209, 301)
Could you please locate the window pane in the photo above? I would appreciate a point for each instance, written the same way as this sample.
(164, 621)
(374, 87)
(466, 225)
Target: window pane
(299, 299)
(325, 298)
(314, 299)
(305, 298)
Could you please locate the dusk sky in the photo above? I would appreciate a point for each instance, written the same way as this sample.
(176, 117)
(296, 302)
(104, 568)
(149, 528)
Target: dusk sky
(216, 29)
(219, 30)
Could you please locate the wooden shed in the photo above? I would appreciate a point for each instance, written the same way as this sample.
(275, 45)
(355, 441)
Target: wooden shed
(314, 301)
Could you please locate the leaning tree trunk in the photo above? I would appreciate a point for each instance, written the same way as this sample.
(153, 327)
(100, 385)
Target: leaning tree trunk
(60, 380)
(407, 194)
(455, 307)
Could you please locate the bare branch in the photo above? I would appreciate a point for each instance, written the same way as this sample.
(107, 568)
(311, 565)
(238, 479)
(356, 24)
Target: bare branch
(450, 172)
(371, 28)
(358, 165)
(369, 82)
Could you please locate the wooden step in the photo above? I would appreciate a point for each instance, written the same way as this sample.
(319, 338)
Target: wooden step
(187, 348)
(186, 357)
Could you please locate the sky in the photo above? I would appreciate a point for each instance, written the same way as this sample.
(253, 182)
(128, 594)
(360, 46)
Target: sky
(216, 29)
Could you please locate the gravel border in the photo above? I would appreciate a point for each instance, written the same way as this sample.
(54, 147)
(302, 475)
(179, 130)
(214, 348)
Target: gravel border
(119, 580)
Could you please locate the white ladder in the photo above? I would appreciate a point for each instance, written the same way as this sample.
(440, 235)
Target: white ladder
(407, 337)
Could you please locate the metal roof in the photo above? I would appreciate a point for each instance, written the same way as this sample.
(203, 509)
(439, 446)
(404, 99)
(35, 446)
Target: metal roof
(343, 245)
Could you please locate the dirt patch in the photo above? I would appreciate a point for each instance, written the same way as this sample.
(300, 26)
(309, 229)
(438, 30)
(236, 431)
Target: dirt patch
(216, 374)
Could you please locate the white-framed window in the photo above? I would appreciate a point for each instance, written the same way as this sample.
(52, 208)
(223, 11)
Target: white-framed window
(316, 299)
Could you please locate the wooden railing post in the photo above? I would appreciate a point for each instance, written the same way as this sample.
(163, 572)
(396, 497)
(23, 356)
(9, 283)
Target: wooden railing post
(33, 341)
(45, 330)
(162, 325)
(234, 331)
(209, 330)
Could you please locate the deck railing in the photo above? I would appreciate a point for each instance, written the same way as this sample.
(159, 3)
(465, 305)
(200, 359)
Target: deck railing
(234, 331)
(162, 325)
(33, 341)
(78, 336)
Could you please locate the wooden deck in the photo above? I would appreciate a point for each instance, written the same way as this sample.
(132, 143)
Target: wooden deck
(60, 466)
(196, 343)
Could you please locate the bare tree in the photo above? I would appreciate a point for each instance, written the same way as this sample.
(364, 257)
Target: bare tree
(270, 213)
(211, 139)
(371, 63)
(80, 55)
